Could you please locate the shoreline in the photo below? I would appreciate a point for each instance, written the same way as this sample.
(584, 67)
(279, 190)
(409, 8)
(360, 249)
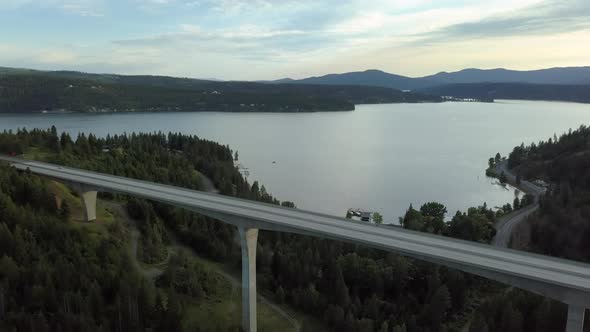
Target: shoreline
(506, 224)
(525, 186)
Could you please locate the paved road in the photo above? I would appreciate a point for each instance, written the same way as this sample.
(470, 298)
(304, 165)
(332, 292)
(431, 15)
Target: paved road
(556, 278)
(505, 226)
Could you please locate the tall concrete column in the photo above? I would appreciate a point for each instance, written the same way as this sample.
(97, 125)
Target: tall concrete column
(248, 240)
(575, 318)
(89, 204)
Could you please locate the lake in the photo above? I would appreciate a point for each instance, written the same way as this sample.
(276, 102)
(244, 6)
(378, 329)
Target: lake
(379, 157)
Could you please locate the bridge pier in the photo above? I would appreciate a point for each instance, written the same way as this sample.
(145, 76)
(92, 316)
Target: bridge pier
(575, 318)
(248, 241)
(88, 195)
(89, 202)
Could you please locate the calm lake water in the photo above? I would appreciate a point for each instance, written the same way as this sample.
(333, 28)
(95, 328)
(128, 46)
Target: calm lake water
(379, 157)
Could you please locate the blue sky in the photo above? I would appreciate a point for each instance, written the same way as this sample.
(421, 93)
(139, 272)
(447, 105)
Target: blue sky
(269, 39)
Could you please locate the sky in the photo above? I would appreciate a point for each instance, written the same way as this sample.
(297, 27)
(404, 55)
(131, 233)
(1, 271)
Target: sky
(272, 39)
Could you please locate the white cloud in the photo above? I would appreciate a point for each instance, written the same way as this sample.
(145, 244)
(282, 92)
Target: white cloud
(237, 6)
(76, 7)
(242, 39)
(56, 56)
(546, 18)
(364, 22)
(191, 34)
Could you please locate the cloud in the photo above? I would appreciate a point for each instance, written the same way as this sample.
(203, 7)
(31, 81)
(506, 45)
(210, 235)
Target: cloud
(92, 8)
(262, 38)
(89, 8)
(362, 23)
(56, 56)
(242, 32)
(245, 41)
(551, 17)
(237, 6)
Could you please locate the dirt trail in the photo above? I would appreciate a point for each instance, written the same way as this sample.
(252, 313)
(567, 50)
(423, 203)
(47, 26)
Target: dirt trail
(154, 271)
(237, 283)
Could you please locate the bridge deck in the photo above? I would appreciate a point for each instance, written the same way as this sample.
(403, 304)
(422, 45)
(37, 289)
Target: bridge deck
(472, 257)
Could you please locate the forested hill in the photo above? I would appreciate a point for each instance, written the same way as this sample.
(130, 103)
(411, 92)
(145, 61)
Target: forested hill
(36, 91)
(58, 273)
(562, 225)
(524, 91)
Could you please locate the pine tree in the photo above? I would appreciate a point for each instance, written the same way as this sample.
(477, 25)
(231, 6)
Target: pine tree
(340, 289)
(280, 295)
(478, 324)
(65, 211)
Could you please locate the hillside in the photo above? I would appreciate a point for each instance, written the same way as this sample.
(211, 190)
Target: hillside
(573, 93)
(370, 77)
(23, 90)
(60, 273)
(560, 227)
(552, 76)
(89, 283)
(567, 75)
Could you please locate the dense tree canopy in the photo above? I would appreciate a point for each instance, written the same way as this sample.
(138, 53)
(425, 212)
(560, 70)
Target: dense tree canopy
(523, 91)
(475, 225)
(54, 277)
(35, 91)
(347, 287)
(562, 226)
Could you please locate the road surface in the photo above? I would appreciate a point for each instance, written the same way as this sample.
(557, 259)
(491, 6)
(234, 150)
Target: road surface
(505, 226)
(560, 279)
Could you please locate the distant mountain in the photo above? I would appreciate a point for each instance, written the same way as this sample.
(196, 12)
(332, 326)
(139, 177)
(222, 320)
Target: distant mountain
(24, 90)
(525, 91)
(284, 80)
(370, 77)
(567, 75)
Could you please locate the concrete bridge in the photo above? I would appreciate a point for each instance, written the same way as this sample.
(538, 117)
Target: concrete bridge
(559, 279)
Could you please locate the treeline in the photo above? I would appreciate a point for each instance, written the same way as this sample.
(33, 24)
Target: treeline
(474, 225)
(36, 93)
(55, 277)
(525, 91)
(350, 288)
(153, 243)
(559, 228)
(347, 287)
(32, 91)
(562, 225)
(517, 310)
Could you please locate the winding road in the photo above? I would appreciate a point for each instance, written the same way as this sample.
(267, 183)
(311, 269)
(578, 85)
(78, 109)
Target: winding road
(505, 226)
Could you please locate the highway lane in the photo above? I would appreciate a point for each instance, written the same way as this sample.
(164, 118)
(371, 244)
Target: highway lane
(437, 249)
(505, 226)
(509, 222)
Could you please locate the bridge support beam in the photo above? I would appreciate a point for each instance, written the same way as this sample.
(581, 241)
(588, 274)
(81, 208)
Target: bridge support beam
(248, 241)
(89, 203)
(88, 195)
(575, 318)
